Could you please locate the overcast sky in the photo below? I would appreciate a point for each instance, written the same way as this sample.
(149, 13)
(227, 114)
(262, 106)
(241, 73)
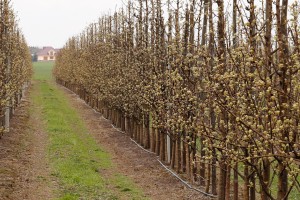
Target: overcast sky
(52, 22)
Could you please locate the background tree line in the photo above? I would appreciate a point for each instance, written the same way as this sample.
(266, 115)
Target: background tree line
(212, 88)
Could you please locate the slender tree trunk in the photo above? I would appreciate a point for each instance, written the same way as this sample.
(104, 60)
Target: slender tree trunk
(214, 172)
(183, 156)
(221, 57)
(178, 154)
(253, 185)
(228, 183)
(208, 179)
(173, 155)
(157, 143)
(162, 146)
(212, 113)
(281, 12)
(268, 48)
(203, 42)
(246, 182)
(235, 182)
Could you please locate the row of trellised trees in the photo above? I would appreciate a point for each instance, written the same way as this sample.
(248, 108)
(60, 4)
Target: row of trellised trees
(15, 64)
(212, 88)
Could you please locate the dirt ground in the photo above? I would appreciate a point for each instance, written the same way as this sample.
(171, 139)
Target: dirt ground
(24, 169)
(131, 160)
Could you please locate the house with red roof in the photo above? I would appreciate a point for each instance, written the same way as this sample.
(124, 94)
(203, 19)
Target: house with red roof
(47, 54)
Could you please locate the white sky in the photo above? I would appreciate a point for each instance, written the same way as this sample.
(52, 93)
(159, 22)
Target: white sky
(52, 22)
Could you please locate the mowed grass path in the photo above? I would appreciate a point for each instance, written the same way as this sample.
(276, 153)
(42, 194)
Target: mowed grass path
(76, 159)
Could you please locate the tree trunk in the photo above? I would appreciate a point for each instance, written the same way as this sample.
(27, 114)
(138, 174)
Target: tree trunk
(157, 141)
(183, 156)
(282, 182)
(253, 185)
(246, 182)
(162, 145)
(214, 172)
(178, 154)
(281, 14)
(228, 182)
(236, 182)
(222, 180)
(202, 162)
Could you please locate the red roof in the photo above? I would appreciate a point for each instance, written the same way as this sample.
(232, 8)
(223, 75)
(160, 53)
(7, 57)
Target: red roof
(46, 50)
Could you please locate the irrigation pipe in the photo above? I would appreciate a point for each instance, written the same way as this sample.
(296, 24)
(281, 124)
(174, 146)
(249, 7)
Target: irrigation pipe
(133, 141)
(186, 183)
(141, 147)
(117, 129)
(174, 174)
(170, 171)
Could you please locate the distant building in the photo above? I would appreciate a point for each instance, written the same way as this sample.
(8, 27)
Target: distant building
(47, 54)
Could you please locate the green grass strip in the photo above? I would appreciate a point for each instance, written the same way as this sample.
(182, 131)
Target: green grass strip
(76, 158)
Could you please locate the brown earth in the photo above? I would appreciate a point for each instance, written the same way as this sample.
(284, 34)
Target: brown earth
(24, 167)
(132, 161)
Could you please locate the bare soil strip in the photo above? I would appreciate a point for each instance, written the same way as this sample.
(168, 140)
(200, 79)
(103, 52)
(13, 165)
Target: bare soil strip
(24, 167)
(130, 160)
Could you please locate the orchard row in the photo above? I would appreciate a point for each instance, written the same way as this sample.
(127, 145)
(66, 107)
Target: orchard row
(211, 87)
(15, 64)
